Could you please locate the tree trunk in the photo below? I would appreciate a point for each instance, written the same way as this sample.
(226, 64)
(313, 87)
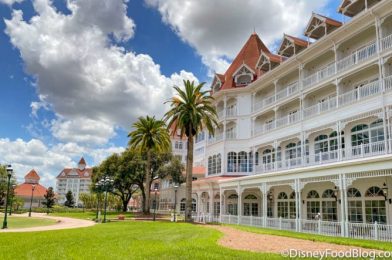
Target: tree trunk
(147, 188)
(189, 166)
(143, 199)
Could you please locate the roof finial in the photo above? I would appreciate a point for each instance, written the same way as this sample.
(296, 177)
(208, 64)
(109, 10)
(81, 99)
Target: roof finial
(254, 30)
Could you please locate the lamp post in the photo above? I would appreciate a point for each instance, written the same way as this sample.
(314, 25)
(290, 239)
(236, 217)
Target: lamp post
(105, 184)
(155, 206)
(9, 174)
(97, 189)
(175, 201)
(31, 200)
(12, 198)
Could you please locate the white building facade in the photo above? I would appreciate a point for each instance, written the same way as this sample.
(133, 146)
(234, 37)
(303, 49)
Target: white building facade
(77, 180)
(304, 138)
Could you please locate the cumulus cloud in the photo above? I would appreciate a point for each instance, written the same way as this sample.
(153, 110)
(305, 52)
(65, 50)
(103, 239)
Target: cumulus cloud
(47, 160)
(83, 74)
(218, 29)
(10, 2)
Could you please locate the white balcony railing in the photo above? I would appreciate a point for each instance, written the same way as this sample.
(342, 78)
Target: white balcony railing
(231, 135)
(355, 95)
(358, 56)
(231, 111)
(265, 102)
(320, 107)
(388, 83)
(287, 91)
(319, 75)
(386, 42)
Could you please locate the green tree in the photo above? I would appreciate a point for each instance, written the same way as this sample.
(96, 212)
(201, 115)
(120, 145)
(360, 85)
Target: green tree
(173, 169)
(69, 200)
(89, 200)
(191, 110)
(150, 135)
(122, 168)
(49, 199)
(4, 183)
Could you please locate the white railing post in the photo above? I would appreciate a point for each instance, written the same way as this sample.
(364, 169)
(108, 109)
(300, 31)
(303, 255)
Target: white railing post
(251, 220)
(319, 226)
(280, 223)
(375, 230)
(229, 218)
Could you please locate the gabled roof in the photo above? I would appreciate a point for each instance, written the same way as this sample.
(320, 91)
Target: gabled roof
(249, 54)
(86, 173)
(273, 59)
(25, 190)
(32, 175)
(353, 7)
(318, 24)
(292, 45)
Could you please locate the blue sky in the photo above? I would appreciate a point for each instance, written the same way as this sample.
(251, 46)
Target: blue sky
(162, 42)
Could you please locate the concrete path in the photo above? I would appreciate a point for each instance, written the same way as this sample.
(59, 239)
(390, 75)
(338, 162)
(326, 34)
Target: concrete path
(62, 223)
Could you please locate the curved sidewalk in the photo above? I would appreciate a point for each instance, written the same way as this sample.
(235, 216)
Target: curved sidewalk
(62, 223)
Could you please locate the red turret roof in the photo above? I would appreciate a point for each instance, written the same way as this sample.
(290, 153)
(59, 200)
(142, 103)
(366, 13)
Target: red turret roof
(248, 55)
(25, 189)
(32, 175)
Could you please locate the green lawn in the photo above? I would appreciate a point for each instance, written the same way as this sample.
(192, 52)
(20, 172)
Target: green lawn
(385, 246)
(89, 214)
(26, 222)
(122, 240)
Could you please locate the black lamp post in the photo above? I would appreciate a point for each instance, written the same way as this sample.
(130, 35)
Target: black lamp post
(31, 200)
(105, 184)
(97, 189)
(385, 191)
(155, 206)
(12, 198)
(175, 201)
(9, 174)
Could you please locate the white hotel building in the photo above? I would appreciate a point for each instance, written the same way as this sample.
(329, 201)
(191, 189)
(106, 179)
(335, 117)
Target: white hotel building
(304, 136)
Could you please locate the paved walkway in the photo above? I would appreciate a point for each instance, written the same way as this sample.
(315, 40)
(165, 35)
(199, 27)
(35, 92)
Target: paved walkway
(62, 223)
(238, 239)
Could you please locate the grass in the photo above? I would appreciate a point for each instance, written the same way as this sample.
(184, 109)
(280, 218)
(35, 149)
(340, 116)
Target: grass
(123, 240)
(384, 246)
(89, 215)
(26, 222)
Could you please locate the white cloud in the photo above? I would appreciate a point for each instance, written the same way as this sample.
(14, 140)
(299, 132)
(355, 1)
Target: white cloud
(82, 74)
(218, 29)
(47, 161)
(10, 2)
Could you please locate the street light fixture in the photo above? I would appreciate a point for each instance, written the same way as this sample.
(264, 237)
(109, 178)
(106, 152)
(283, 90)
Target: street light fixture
(105, 184)
(31, 200)
(12, 199)
(385, 190)
(9, 174)
(175, 201)
(155, 206)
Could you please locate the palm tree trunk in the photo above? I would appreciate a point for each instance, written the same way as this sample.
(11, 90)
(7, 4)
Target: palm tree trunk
(189, 166)
(147, 187)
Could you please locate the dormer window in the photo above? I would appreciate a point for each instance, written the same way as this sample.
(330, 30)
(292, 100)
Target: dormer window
(243, 76)
(268, 61)
(217, 82)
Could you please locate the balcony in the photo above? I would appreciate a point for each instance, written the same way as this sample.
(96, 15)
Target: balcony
(386, 42)
(356, 95)
(279, 122)
(319, 75)
(358, 56)
(287, 91)
(265, 102)
(229, 112)
(319, 108)
(214, 139)
(355, 152)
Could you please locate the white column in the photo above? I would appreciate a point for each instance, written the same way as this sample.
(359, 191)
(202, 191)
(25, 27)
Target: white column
(263, 189)
(239, 205)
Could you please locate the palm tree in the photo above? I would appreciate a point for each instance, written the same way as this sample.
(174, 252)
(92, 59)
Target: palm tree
(150, 135)
(191, 109)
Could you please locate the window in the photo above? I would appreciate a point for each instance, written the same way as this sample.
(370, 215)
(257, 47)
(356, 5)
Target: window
(182, 205)
(194, 205)
(312, 204)
(329, 211)
(321, 147)
(283, 205)
(250, 162)
(291, 154)
(251, 206)
(243, 162)
(232, 204)
(216, 208)
(376, 131)
(232, 162)
(354, 205)
(292, 206)
(156, 186)
(218, 164)
(210, 169)
(375, 205)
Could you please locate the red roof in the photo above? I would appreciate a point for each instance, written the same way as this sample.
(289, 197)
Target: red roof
(70, 172)
(82, 161)
(32, 175)
(198, 170)
(298, 41)
(248, 55)
(25, 190)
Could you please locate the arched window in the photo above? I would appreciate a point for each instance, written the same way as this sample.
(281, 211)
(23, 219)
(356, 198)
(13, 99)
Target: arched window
(321, 147)
(282, 196)
(292, 154)
(359, 135)
(283, 205)
(375, 205)
(232, 204)
(217, 205)
(232, 162)
(354, 205)
(219, 163)
(251, 206)
(292, 205)
(312, 204)
(243, 161)
(329, 211)
(377, 131)
(194, 208)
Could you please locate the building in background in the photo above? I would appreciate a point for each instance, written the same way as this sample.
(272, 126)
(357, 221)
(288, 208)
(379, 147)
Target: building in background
(25, 190)
(77, 180)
